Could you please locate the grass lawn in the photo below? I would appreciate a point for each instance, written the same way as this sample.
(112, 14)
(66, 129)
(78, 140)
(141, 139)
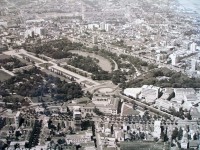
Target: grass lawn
(104, 63)
(45, 65)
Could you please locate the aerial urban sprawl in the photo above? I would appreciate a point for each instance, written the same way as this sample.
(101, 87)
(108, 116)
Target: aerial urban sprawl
(99, 75)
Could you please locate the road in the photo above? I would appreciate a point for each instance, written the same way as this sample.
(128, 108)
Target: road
(148, 107)
(116, 65)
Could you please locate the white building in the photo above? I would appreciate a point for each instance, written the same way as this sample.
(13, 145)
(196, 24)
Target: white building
(77, 114)
(21, 144)
(166, 105)
(17, 119)
(184, 141)
(181, 92)
(85, 108)
(150, 93)
(35, 31)
(175, 59)
(107, 27)
(167, 93)
(195, 114)
(79, 138)
(102, 26)
(133, 92)
(193, 64)
(94, 39)
(161, 57)
(192, 98)
(106, 103)
(92, 26)
(157, 129)
(193, 47)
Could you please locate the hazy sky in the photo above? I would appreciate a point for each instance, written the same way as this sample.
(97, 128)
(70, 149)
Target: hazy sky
(191, 4)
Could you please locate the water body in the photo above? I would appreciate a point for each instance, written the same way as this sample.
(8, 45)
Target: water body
(193, 5)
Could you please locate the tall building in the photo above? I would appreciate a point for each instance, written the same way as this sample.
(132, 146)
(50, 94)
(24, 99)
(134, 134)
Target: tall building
(94, 39)
(193, 47)
(175, 59)
(102, 26)
(82, 11)
(193, 65)
(35, 31)
(107, 27)
(17, 119)
(77, 120)
(157, 129)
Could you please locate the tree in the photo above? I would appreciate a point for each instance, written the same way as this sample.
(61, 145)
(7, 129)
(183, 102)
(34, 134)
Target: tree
(26, 145)
(61, 141)
(98, 112)
(180, 133)
(49, 124)
(195, 137)
(58, 127)
(89, 95)
(85, 125)
(17, 134)
(71, 130)
(16, 146)
(175, 133)
(188, 116)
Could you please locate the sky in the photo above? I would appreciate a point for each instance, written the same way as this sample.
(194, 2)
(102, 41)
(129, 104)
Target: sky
(191, 4)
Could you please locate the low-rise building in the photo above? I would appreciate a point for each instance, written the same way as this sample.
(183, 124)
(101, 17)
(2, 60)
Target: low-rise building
(167, 93)
(132, 92)
(166, 105)
(150, 93)
(9, 117)
(194, 144)
(157, 129)
(83, 137)
(85, 108)
(195, 114)
(181, 92)
(106, 103)
(191, 98)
